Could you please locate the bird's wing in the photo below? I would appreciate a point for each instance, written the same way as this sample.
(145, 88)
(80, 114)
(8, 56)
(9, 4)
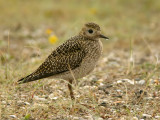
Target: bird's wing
(66, 57)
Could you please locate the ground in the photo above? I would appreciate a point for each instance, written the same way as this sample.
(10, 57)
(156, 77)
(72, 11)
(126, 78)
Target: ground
(125, 84)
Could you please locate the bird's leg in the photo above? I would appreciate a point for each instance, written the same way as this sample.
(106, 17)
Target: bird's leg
(70, 89)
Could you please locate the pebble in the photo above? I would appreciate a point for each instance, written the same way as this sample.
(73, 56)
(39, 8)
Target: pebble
(26, 103)
(157, 117)
(23, 108)
(105, 59)
(118, 90)
(134, 118)
(12, 116)
(76, 118)
(110, 118)
(149, 98)
(38, 98)
(141, 82)
(52, 97)
(99, 81)
(101, 84)
(3, 102)
(20, 102)
(119, 81)
(126, 80)
(146, 115)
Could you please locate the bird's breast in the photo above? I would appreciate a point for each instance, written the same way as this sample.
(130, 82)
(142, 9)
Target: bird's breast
(93, 53)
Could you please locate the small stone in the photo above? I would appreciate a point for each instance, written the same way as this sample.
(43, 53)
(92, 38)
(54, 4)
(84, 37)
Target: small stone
(38, 98)
(105, 59)
(26, 103)
(149, 98)
(23, 108)
(110, 118)
(126, 80)
(3, 102)
(75, 118)
(118, 90)
(20, 103)
(100, 82)
(134, 118)
(129, 81)
(12, 116)
(100, 119)
(157, 117)
(141, 82)
(146, 115)
(119, 81)
(52, 97)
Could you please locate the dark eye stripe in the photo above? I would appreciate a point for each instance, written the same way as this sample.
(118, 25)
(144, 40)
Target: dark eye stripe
(90, 31)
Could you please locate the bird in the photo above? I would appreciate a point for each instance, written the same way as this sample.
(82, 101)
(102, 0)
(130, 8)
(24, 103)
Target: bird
(74, 59)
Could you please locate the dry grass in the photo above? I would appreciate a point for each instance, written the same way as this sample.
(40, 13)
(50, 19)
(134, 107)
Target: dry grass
(124, 85)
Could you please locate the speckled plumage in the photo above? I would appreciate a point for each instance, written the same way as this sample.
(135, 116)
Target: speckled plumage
(78, 55)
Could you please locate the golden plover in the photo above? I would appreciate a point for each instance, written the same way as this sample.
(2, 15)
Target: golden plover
(73, 59)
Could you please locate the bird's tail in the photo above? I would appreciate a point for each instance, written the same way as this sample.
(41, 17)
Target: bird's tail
(28, 78)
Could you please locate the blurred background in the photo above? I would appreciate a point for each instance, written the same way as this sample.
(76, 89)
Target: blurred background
(32, 22)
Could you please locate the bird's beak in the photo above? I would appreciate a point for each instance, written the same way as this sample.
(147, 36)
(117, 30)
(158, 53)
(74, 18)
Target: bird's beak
(102, 36)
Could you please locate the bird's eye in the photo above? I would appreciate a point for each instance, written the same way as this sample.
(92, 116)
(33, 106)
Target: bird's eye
(90, 31)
